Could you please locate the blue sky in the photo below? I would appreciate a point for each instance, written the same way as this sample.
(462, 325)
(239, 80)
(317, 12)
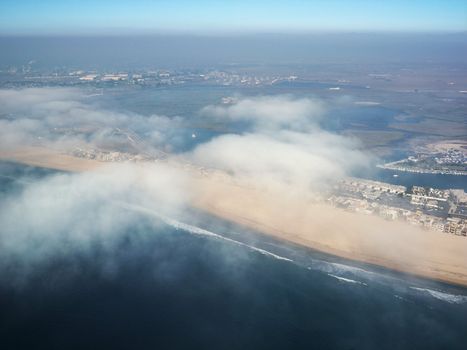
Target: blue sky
(215, 17)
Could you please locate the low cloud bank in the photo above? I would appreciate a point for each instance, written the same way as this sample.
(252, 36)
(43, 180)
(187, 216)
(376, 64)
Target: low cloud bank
(281, 139)
(282, 143)
(271, 112)
(63, 215)
(63, 118)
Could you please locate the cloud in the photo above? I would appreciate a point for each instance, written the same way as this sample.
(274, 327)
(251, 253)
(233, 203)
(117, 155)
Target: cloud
(283, 143)
(31, 99)
(88, 217)
(66, 118)
(271, 112)
(66, 214)
(281, 139)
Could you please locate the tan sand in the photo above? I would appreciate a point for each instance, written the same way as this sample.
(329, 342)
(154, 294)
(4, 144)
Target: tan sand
(395, 245)
(294, 218)
(48, 158)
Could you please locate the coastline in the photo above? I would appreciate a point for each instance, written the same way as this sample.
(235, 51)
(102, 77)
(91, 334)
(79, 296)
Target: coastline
(292, 217)
(369, 239)
(393, 166)
(47, 158)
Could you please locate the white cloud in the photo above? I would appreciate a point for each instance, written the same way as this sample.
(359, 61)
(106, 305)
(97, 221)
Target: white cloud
(271, 112)
(283, 143)
(34, 115)
(67, 214)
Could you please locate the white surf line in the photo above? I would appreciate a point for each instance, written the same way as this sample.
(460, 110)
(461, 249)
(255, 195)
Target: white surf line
(197, 230)
(450, 298)
(336, 269)
(339, 269)
(343, 279)
(351, 269)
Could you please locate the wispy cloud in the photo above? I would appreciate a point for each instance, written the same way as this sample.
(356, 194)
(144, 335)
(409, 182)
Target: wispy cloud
(282, 142)
(65, 117)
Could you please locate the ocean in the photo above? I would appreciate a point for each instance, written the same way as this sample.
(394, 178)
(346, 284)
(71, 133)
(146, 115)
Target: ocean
(206, 284)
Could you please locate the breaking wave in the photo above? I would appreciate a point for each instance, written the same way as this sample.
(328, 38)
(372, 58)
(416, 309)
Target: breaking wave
(199, 231)
(338, 271)
(450, 298)
(348, 280)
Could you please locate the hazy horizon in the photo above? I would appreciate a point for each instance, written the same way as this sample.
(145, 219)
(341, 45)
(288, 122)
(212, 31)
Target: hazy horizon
(230, 16)
(125, 52)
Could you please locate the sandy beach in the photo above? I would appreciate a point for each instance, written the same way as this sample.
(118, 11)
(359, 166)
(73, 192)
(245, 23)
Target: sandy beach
(366, 238)
(294, 218)
(48, 158)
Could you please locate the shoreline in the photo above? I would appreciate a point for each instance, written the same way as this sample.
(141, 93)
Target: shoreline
(390, 166)
(324, 249)
(393, 245)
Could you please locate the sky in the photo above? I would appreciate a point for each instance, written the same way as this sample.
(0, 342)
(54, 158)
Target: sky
(58, 17)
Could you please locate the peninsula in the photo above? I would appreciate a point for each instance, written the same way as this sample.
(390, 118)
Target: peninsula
(293, 217)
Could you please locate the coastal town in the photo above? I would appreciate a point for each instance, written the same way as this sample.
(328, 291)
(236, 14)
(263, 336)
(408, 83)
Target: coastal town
(449, 160)
(432, 209)
(28, 75)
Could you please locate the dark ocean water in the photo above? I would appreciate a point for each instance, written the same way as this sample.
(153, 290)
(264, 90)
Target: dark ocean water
(175, 286)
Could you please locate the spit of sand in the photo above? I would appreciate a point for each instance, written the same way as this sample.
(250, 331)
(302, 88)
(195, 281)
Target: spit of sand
(291, 216)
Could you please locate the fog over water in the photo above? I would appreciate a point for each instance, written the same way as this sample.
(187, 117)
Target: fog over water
(118, 257)
(114, 276)
(62, 118)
